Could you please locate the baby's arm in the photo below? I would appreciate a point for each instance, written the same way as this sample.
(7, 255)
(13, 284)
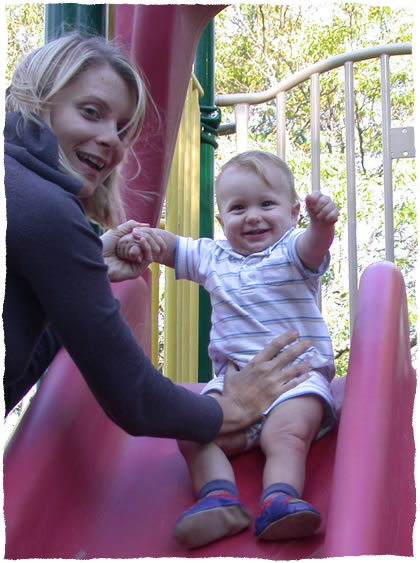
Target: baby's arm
(149, 244)
(315, 242)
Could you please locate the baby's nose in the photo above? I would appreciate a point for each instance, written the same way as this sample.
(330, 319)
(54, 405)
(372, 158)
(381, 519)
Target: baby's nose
(253, 215)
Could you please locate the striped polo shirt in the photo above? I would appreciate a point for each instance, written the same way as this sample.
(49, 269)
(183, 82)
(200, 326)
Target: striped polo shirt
(256, 298)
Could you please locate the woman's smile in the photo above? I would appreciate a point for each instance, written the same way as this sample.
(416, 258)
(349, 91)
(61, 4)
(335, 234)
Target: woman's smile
(88, 117)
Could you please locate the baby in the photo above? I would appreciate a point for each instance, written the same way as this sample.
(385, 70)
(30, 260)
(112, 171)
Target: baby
(262, 280)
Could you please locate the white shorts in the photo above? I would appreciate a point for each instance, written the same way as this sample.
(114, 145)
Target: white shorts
(316, 384)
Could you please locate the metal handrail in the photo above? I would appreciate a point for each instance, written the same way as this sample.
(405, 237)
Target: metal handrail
(317, 68)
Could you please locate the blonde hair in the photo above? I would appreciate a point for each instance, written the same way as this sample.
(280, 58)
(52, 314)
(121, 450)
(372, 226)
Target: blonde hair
(256, 161)
(46, 71)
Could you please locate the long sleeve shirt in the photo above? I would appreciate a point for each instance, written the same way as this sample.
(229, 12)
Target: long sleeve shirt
(56, 274)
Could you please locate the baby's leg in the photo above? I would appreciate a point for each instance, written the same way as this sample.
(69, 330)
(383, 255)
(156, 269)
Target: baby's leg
(206, 462)
(232, 444)
(218, 512)
(285, 440)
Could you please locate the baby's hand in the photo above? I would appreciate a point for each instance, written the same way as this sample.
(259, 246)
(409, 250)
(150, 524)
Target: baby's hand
(143, 244)
(321, 208)
(129, 249)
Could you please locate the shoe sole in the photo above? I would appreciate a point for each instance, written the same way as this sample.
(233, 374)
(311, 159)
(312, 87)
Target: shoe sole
(208, 526)
(297, 525)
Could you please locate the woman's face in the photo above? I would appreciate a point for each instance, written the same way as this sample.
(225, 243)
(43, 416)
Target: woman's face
(87, 116)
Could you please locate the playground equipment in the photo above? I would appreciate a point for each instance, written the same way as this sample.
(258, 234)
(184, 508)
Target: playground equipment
(78, 487)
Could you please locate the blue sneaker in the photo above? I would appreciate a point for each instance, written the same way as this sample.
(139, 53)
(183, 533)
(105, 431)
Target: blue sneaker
(215, 516)
(284, 517)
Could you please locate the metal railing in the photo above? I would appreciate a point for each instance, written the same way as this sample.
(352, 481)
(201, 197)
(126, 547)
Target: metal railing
(391, 138)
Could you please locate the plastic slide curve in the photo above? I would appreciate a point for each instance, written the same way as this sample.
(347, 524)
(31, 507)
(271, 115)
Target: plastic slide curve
(78, 487)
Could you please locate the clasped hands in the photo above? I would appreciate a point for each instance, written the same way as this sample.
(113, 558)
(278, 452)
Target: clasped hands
(128, 250)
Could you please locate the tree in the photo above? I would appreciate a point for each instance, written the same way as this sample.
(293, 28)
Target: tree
(259, 45)
(25, 32)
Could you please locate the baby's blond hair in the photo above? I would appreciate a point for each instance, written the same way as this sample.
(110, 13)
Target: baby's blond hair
(257, 161)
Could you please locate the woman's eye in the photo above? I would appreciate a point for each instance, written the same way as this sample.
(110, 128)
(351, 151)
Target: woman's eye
(90, 112)
(123, 131)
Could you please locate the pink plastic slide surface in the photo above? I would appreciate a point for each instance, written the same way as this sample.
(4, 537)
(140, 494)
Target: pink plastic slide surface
(76, 486)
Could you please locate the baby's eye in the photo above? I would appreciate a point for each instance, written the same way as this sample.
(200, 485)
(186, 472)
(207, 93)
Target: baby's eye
(267, 203)
(237, 207)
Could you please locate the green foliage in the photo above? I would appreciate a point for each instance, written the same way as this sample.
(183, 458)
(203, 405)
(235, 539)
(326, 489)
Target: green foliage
(25, 32)
(259, 45)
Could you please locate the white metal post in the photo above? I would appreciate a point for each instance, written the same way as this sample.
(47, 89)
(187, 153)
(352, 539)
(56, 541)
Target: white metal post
(387, 158)
(351, 188)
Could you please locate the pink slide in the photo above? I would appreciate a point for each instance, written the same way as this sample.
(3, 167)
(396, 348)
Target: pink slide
(78, 487)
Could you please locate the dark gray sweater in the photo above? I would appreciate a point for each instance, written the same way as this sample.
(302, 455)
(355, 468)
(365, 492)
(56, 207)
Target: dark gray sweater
(56, 274)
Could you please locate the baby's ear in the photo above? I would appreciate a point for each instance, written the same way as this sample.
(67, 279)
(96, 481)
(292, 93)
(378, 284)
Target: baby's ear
(219, 219)
(295, 213)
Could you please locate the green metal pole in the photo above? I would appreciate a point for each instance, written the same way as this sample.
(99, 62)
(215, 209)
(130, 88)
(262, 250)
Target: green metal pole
(86, 18)
(210, 120)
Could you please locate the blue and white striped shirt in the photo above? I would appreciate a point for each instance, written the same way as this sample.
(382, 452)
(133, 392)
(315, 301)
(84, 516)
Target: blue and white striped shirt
(257, 297)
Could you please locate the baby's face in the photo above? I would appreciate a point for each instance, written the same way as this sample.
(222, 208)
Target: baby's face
(254, 214)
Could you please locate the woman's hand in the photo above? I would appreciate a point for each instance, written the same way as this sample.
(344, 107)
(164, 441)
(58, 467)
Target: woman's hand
(118, 268)
(249, 392)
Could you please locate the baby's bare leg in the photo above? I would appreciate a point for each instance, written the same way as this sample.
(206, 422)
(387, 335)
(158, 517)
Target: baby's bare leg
(286, 438)
(232, 444)
(206, 462)
(218, 512)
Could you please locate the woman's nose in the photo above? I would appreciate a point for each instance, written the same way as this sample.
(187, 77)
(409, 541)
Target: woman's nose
(109, 134)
